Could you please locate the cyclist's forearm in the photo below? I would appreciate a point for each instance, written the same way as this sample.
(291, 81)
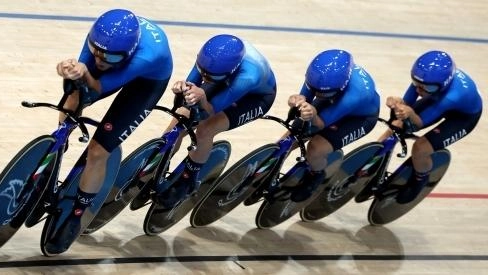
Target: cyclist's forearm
(416, 120)
(204, 104)
(92, 82)
(71, 104)
(318, 122)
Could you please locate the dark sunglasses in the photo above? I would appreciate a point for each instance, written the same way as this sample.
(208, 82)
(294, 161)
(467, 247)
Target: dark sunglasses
(429, 88)
(214, 77)
(323, 94)
(105, 56)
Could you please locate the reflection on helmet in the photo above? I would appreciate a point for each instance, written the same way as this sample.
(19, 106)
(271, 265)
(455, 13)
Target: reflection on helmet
(329, 72)
(115, 35)
(221, 55)
(433, 69)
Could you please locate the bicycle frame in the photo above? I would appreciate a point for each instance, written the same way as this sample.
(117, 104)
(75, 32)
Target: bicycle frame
(285, 145)
(276, 160)
(384, 154)
(170, 139)
(60, 136)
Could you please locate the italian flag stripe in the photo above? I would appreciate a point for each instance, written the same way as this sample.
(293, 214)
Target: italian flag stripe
(43, 165)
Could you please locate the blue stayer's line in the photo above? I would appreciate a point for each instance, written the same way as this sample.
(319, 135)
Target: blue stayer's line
(261, 28)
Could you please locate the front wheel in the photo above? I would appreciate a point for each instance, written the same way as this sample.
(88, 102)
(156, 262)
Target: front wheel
(346, 183)
(159, 219)
(21, 187)
(385, 208)
(235, 185)
(274, 212)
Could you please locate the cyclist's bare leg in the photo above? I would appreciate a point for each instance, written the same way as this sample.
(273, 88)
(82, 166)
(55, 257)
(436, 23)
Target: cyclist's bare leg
(188, 183)
(90, 183)
(422, 164)
(317, 150)
(95, 168)
(421, 155)
(206, 131)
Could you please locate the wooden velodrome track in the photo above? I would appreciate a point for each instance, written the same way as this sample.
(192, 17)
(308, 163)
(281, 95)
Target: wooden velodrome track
(446, 234)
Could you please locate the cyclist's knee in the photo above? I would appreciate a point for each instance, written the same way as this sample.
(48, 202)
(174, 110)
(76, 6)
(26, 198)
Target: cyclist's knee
(315, 151)
(96, 152)
(318, 148)
(209, 128)
(421, 148)
(205, 132)
(422, 145)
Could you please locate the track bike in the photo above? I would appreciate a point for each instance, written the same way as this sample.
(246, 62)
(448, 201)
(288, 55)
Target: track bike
(148, 165)
(365, 175)
(256, 177)
(30, 191)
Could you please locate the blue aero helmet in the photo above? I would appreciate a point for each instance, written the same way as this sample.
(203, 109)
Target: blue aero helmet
(220, 57)
(114, 36)
(433, 71)
(329, 73)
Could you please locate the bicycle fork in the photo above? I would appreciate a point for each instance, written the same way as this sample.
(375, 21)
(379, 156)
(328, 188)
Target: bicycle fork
(49, 197)
(274, 164)
(378, 164)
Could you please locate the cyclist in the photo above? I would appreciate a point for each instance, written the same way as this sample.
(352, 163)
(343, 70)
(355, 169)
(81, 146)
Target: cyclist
(233, 84)
(340, 99)
(439, 91)
(122, 53)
